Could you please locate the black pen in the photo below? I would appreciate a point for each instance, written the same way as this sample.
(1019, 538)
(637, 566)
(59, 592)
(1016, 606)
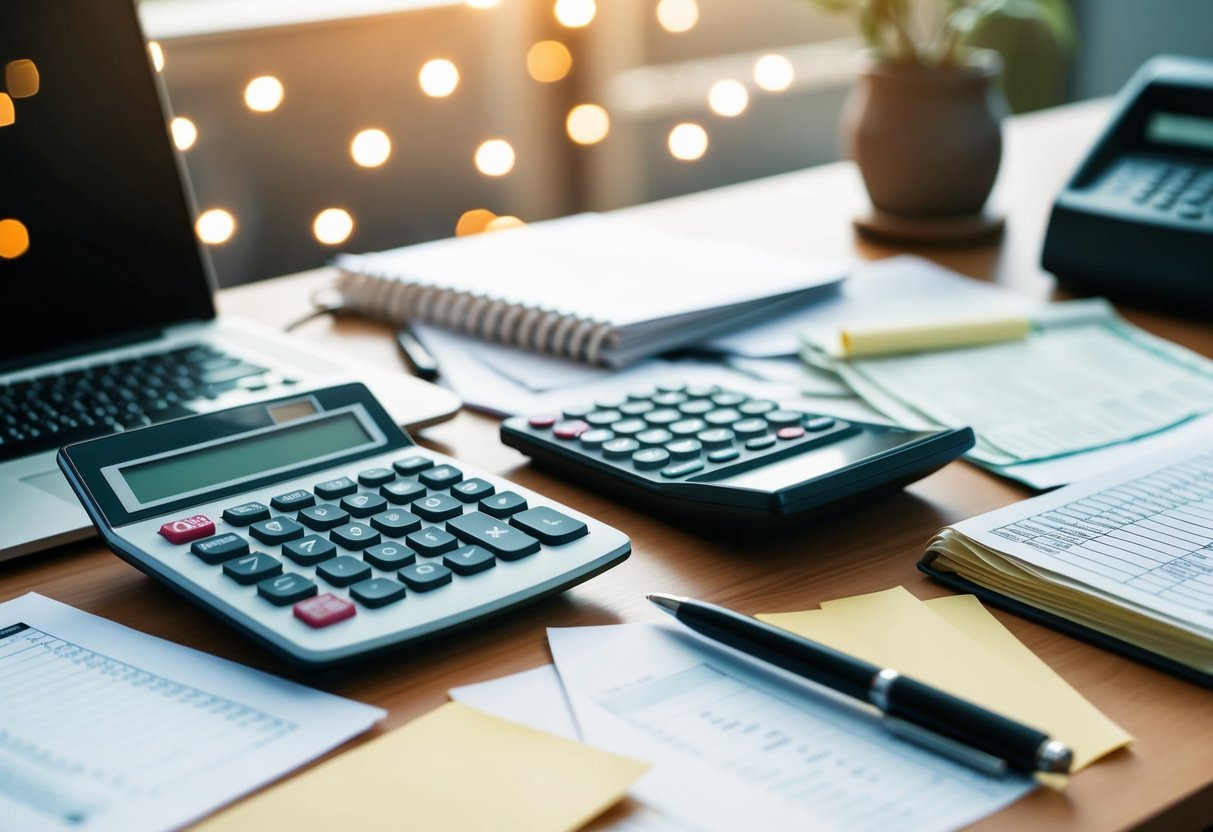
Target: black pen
(912, 710)
(423, 362)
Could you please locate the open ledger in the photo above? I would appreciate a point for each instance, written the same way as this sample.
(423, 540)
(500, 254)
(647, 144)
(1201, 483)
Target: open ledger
(1124, 559)
(590, 287)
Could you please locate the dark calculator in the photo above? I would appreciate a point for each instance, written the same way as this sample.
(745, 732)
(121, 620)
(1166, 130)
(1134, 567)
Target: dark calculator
(715, 453)
(315, 525)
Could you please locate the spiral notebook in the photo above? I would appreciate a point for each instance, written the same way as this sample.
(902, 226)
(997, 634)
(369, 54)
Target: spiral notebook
(589, 287)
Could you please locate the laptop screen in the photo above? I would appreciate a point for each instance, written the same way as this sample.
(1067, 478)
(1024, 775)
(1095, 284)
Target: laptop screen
(96, 237)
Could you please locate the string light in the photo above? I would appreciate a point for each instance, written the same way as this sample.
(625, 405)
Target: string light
(728, 98)
(438, 78)
(22, 79)
(678, 15)
(185, 133)
(587, 124)
(495, 157)
(264, 94)
(474, 221)
(8, 113)
(549, 61)
(688, 142)
(333, 226)
(371, 148)
(14, 239)
(774, 73)
(575, 13)
(215, 227)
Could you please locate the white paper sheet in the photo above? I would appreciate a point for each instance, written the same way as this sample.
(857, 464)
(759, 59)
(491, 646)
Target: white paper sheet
(106, 728)
(739, 747)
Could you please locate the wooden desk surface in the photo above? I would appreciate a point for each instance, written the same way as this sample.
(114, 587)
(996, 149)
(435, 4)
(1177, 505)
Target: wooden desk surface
(1165, 780)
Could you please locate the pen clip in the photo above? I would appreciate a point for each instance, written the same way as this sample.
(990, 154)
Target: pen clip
(961, 753)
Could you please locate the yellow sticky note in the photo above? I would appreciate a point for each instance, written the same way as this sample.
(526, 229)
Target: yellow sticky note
(958, 646)
(454, 768)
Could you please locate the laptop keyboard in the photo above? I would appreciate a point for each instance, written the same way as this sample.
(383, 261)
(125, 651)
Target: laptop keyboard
(49, 411)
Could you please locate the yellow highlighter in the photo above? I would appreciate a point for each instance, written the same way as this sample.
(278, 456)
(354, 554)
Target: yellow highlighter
(865, 340)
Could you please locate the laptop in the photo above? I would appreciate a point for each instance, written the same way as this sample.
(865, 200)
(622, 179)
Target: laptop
(107, 314)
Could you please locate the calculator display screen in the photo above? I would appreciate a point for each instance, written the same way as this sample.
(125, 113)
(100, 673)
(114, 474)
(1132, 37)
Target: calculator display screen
(1184, 130)
(239, 458)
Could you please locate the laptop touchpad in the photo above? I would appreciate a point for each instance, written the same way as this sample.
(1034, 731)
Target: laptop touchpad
(53, 483)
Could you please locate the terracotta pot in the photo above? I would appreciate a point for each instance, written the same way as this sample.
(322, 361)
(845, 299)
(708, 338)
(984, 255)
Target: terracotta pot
(927, 140)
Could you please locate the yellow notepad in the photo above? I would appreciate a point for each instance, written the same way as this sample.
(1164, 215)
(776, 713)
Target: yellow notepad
(956, 644)
(455, 768)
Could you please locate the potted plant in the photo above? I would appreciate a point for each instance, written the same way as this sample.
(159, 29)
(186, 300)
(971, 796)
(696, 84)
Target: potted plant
(923, 122)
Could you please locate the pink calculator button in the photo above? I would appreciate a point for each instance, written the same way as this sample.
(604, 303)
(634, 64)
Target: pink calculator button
(191, 528)
(543, 420)
(570, 429)
(323, 610)
(790, 432)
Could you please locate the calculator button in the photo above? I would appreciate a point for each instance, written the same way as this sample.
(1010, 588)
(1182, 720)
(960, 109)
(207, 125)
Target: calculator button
(792, 432)
(376, 476)
(277, 530)
(757, 407)
(724, 455)
(286, 589)
(783, 418)
(310, 550)
(629, 427)
(636, 408)
(728, 399)
(187, 529)
(682, 469)
(816, 423)
(671, 387)
(701, 391)
(687, 427)
(246, 513)
(749, 428)
(396, 522)
(577, 411)
(438, 507)
(570, 429)
(323, 517)
(431, 542)
(252, 568)
(545, 420)
(332, 489)
(354, 536)
(662, 417)
(760, 443)
(716, 437)
(469, 560)
(323, 610)
(440, 477)
(402, 491)
(602, 418)
(411, 465)
(593, 439)
(671, 399)
(422, 577)
(549, 525)
(619, 448)
(222, 547)
(648, 459)
(344, 570)
(611, 403)
(503, 504)
(723, 417)
(363, 504)
(293, 500)
(684, 448)
(469, 491)
(389, 556)
(654, 436)
(377, 592)
(500, 539)
(696, 407)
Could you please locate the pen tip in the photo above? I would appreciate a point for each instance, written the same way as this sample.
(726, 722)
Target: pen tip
(669, 603)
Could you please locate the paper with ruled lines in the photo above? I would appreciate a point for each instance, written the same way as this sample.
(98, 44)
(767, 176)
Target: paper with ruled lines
(736, 746)
(106, 728)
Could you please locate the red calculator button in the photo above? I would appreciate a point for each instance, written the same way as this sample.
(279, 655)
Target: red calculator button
(191, 528)
(543, 420)
(323, 610)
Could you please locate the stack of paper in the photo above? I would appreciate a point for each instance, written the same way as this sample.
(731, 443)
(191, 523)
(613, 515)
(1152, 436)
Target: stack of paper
(735, 744)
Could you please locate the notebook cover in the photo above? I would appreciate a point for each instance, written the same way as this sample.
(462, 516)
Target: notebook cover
(1065, 625)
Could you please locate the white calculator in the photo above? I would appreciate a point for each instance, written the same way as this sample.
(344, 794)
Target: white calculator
(317, 526)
